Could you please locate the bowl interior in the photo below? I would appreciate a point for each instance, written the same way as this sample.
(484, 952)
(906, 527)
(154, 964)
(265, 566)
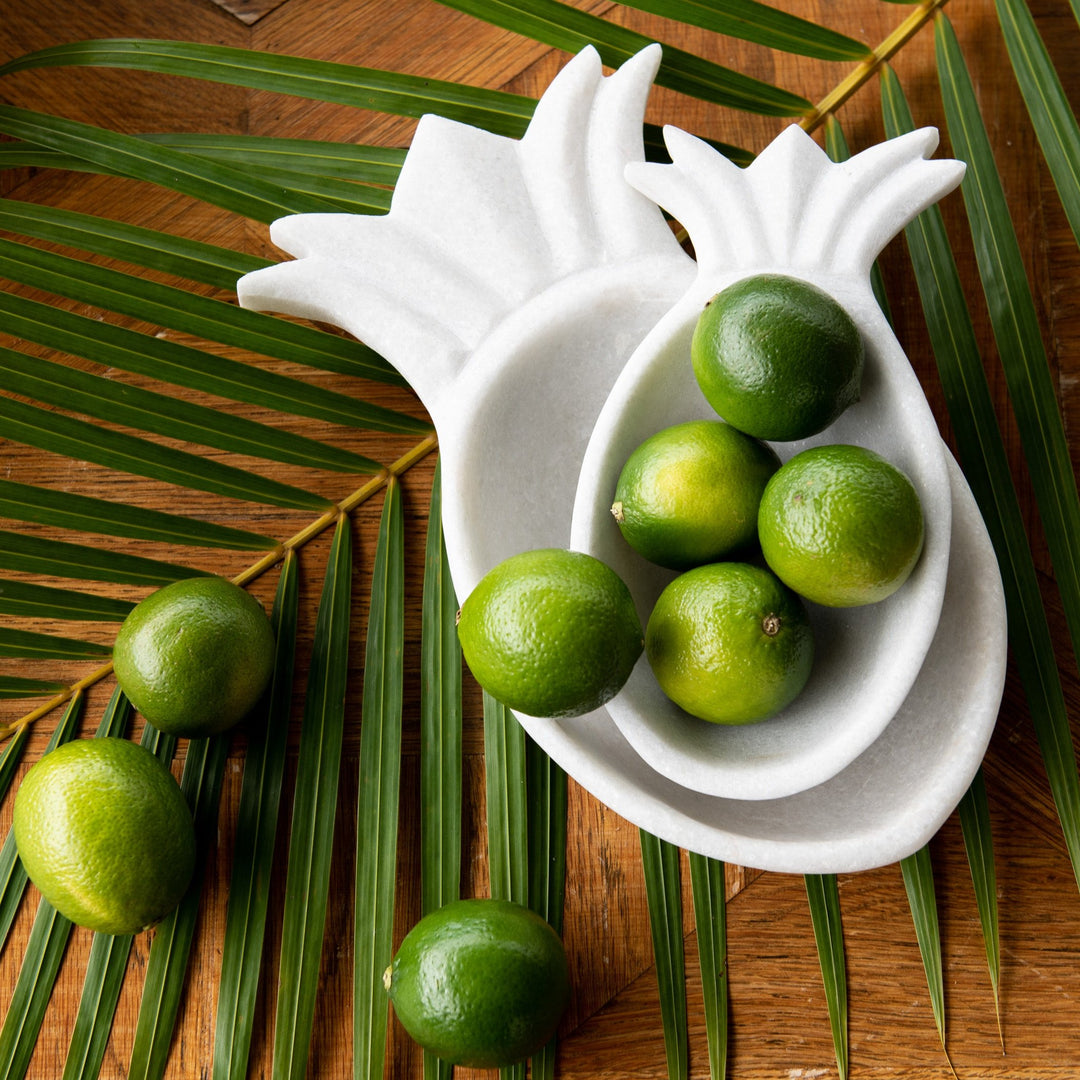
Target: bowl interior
(867, 658)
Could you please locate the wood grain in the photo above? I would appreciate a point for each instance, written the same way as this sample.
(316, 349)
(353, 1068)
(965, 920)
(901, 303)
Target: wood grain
(612, 1030)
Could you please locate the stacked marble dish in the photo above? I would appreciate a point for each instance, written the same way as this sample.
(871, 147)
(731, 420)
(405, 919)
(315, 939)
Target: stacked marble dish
(536, 299)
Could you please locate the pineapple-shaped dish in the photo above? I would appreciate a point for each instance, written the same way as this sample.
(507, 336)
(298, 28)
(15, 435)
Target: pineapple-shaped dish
(536, 299)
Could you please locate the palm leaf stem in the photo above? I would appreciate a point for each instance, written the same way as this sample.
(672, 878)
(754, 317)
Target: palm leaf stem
(304, 536)
(867, 68)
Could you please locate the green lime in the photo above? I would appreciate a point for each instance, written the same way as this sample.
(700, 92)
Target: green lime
(550, 632)
(841, 525)
(195, 656)
(480, 983)
(777, 357)
(104, 832)
(689, 494)
(730, 643)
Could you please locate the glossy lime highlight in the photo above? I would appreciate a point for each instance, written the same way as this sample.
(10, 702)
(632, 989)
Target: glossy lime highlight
(729, 643)
(777, 357)
(480, 983)
(550, 632)
(195, 656)
(841, 525)
(105, 834)
(689, 494)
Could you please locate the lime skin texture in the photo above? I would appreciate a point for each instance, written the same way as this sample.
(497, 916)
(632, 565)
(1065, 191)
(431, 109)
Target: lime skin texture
(777, 357)
(729, 643)
(480, 983)
(550, 632)
(689, 494)
(195, 656)
(105, 834)
(841, 525)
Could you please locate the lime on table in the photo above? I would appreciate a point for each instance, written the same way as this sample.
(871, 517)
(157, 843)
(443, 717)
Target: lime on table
(480, 983)
(195, 656)
(550, 632)
(729, 643)
(841, 525)
(105, 834)
(777, 357)
(689, 494)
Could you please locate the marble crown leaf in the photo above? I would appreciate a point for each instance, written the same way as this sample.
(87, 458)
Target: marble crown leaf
(794, 207)
(479, 225)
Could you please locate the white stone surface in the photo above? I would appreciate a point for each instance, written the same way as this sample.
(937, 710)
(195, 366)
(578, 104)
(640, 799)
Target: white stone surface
(513, 282)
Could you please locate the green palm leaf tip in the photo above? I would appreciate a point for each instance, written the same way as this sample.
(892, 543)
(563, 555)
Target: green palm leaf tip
(380, 788)
(918, 877)
(256, 832)
(311, 835)
(707, 881)
(823, 894)
(663, 893)
(979, 846)
(30, 644)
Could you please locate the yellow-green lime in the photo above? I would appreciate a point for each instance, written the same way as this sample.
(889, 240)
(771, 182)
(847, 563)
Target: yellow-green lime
(104, 832)
(841, 525)
(777, 357)
(729, 643)
(550, 632)
(689, 494)
(480, 983)
(195, 656)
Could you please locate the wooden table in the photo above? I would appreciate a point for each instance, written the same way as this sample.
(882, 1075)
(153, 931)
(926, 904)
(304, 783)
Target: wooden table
(779, 1025)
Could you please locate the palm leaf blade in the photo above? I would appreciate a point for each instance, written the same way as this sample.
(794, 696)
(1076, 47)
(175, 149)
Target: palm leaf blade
(146, 410)
(30, 644)
(919, 884)
(175, 170)
(979, 845)
(62, 558)
(380, 784)
(344, 84)
(28, 600)
(823, 895)
(181, 309)
(183, 365)
(312, 830)
(256, 830)
(709, 888)
(192, 259)
(663, 892)
(84, 513)
(166, 968)
(1029, 632)
(568, 28)
(60, 434)
(760, 23)
(1049, 108)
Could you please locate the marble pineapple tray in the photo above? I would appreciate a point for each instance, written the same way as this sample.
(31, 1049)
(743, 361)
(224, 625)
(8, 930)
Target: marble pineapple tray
(535, 298)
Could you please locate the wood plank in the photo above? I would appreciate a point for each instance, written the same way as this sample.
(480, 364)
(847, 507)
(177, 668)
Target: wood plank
(612, 1030)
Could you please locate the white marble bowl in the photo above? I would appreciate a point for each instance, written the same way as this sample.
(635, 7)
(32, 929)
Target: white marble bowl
(867, 658)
